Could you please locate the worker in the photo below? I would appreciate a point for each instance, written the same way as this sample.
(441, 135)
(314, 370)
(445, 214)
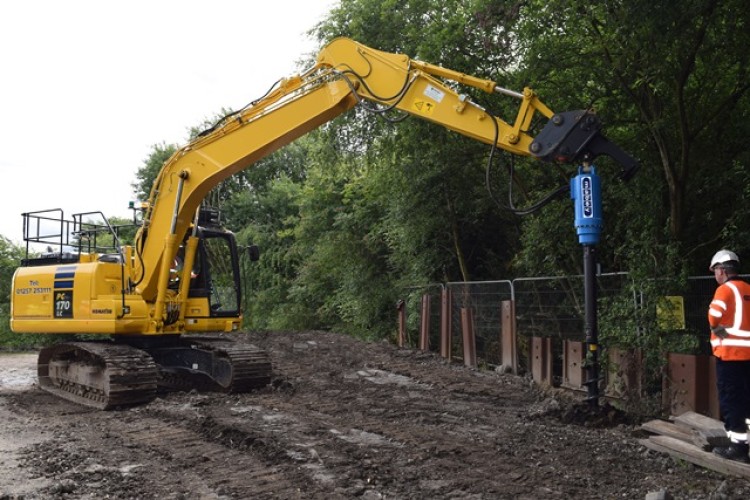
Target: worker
(729, 319)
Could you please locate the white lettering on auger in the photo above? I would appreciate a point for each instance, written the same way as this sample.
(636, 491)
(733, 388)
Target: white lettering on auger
(587, 197)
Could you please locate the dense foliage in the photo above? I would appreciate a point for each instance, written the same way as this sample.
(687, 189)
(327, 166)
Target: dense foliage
(358, 212)
(10, 256)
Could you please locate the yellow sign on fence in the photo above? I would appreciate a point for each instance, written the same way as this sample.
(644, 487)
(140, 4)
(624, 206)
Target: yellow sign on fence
(670, 312)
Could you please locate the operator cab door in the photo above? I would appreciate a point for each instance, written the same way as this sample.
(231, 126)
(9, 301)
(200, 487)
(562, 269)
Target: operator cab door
(216, 273)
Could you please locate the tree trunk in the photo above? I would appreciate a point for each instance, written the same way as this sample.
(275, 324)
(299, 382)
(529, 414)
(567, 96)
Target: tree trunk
(457, 240)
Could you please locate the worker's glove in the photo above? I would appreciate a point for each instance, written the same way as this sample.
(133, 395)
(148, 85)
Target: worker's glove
(720, 332)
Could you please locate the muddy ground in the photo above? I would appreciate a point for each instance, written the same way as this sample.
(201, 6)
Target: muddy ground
(342, 419)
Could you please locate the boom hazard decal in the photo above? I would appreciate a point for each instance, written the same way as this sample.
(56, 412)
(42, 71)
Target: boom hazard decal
(424, 107)
(63, 303)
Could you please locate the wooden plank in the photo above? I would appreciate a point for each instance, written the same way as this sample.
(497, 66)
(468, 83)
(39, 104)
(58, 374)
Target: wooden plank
(664, 428)
(695, 420)
(708, 432)
(692, 454)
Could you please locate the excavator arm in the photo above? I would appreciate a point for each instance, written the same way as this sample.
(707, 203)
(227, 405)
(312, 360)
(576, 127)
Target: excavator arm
(346, 73)
(413, 86)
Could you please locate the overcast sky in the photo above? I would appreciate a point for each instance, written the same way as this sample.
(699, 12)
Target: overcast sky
(88, 86)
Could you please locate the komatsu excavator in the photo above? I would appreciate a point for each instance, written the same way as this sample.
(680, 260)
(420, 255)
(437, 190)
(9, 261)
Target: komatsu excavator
(148, 301)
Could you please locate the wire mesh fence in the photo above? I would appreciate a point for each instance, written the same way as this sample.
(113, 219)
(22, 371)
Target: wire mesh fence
(547, 307)
(554, 306)
(484, 298)
(650, 334)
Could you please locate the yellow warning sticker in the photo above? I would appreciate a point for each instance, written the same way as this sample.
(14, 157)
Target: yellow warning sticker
(424, 107)
(670, 312)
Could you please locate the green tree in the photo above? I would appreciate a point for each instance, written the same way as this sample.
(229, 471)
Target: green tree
(271, 216)
(673, 85)
(438, 175)
(125, 228)
(343, 275)
(350, 215)
(384, 206)
(10, 259)
(146, 174)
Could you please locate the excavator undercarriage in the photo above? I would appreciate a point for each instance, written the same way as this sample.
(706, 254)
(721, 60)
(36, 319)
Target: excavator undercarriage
(107, 375)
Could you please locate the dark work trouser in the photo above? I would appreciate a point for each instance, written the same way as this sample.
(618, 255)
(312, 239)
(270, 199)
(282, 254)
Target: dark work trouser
(733, 384)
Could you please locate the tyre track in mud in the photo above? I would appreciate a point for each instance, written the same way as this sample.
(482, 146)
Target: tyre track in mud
(242, 475)
(131, 454)
(345, 419)
(453, 426)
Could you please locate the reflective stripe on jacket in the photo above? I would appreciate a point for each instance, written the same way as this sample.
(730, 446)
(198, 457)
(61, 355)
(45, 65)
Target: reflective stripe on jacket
(730, 308)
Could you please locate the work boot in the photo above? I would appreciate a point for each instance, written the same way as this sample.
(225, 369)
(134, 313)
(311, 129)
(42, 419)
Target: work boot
(735, 451)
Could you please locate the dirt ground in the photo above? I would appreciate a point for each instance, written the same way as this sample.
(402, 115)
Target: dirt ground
(341, 419)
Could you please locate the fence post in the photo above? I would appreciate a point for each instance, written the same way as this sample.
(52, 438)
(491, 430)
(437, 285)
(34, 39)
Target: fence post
(541, 360)
(624, 373)
(574, 373)
(424, 330)
(445, 323)
(467, 327)
(685, 385)
(508, 346)
(401, 308)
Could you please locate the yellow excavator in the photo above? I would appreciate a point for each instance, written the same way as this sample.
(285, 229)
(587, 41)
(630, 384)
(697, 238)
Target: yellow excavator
(149, 301)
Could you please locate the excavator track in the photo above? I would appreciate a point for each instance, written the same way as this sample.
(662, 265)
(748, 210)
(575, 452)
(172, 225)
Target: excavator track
(212, 364)
(98, 375)
(106, 375)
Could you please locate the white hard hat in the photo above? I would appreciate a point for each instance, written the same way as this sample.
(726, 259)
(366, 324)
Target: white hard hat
(723, 256)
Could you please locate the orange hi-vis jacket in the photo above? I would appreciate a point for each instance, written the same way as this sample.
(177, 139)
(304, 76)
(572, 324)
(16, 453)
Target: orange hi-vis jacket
(730, 308)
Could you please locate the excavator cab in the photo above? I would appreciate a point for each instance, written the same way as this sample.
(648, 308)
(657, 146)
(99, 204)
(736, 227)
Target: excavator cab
(215, 274)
